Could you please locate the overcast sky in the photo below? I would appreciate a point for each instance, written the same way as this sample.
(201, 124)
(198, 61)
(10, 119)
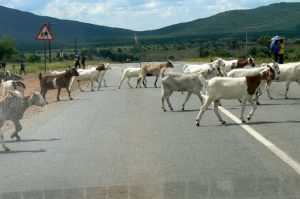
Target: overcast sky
(133, 14)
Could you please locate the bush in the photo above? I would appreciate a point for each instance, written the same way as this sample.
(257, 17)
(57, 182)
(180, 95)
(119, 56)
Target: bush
(7, 48)
(33, 58)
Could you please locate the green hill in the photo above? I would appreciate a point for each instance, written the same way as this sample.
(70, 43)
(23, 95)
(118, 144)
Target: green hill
(24, 26)
(280, 18)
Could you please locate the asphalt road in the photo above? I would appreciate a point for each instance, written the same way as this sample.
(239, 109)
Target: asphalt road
(120, 144)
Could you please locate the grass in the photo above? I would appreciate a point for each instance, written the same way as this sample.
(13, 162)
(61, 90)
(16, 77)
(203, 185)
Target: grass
(40, 67)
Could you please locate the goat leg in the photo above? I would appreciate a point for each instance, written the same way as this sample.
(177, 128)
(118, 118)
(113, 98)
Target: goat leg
(253, 109)
(185, 101)
(216, 110)
(18, 128)
(69, 93)
(2, 141)
(58, 93)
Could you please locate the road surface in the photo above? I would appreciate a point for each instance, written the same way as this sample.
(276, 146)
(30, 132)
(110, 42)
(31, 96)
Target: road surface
(120, 144)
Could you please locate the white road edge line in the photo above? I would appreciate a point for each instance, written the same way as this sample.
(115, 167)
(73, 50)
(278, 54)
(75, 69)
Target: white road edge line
(272, 147)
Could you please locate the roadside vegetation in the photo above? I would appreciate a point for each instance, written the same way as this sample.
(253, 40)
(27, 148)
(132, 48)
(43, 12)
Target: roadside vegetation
(189, 51)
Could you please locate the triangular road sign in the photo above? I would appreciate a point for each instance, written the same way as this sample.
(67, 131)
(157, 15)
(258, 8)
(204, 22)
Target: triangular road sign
(44, 33)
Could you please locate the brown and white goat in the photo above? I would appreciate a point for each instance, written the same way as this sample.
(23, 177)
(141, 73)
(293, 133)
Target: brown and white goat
(152, 70)
(50, 82)
(242, 88)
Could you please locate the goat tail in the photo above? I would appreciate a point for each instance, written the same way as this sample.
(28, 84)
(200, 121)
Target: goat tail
(202, 79)
(40, 76)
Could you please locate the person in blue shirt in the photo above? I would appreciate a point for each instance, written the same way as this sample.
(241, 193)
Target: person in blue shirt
(275, 50)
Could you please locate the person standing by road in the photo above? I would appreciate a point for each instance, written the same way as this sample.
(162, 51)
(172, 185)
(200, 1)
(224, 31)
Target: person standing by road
(22, 68)
(77, 61)
(281, 51)
(275, 50)
(83, 58)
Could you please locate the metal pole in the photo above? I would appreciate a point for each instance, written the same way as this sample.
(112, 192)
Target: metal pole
(45, 49)
(49, 45)
(75, 45)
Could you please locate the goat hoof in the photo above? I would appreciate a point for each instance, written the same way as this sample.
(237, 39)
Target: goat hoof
(243, 121)
(58, 99)
(248, 118)
(71, 98)
(286, 98)
(182, 108)
(171, 109)
(197, 123)
(164, 110)
(257, 103)
(223, 122)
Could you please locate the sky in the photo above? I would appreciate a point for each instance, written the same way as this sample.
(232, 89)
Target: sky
(136, 15)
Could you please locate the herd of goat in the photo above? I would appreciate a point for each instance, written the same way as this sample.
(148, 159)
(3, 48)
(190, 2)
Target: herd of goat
(236, 79)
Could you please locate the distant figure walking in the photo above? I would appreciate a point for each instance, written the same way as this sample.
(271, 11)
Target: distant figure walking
(281, 51)
(22, 68)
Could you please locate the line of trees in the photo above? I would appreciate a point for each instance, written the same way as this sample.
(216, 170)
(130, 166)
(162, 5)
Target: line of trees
(225, 47)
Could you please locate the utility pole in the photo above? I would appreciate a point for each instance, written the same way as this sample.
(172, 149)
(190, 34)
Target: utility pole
(49, 44)
(246, 40)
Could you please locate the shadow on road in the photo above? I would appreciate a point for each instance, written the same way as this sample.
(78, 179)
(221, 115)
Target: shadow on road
(263, 122)
(34, 140)
(22, 151)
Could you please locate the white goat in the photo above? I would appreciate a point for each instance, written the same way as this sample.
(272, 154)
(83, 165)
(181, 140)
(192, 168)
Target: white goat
(195, 68)
(289, 72)
(11, 85)
(129, 73)
(101, 75)
(13, 107)
(181, 82)
(242, 88)
(90, 75)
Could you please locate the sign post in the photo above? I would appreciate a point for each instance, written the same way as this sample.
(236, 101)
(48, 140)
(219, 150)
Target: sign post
(45, 34)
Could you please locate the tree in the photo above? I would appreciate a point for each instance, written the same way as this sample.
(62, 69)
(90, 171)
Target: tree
(264, 40)
(33, 58)
(233, 44)
(7, 48)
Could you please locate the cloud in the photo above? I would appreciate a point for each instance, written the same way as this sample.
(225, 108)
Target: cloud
(133, 14)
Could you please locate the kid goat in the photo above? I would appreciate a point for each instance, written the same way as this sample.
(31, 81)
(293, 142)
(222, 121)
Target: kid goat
(152, 70)
(242, 88)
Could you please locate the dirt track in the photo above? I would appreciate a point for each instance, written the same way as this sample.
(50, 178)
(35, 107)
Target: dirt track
(32, 84)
